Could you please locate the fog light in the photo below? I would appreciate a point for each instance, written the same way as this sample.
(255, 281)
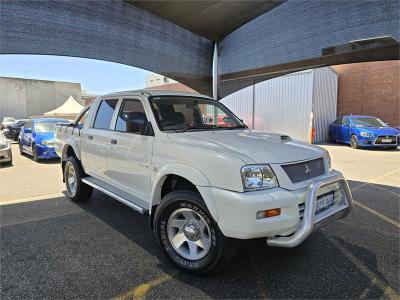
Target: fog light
(268, 213)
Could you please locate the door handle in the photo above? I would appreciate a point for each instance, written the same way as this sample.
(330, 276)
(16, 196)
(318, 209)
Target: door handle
(90, 137)
(114, 142)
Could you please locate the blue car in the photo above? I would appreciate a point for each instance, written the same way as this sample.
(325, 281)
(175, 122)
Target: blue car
(363, 131)
(36, 138)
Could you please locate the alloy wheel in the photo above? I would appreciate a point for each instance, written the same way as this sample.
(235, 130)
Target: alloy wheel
(189, 234)
(71, 180)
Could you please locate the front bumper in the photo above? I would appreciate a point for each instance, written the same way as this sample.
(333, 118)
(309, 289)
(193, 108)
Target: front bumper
(371, 142)
(6, 155)
(311, 221)
(46, 152)
(11, 134)
(236, 212)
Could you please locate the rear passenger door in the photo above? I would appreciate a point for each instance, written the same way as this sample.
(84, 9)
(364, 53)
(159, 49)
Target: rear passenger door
(95, 140)
(129, 161)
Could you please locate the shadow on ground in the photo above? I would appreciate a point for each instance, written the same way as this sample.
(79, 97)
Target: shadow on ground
(104, 249)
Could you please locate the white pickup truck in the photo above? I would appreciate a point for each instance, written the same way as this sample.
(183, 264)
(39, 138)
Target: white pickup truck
(201, 175)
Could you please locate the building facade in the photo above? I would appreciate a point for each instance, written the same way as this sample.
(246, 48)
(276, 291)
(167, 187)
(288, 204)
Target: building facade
(21, 98)
(157, 80)
(371, 88)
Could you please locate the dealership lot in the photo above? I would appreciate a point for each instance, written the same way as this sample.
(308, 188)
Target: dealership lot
(52, 248)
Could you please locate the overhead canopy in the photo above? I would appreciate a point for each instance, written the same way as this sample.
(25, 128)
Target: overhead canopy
(69, 108)
(214, 19)
(255, 40)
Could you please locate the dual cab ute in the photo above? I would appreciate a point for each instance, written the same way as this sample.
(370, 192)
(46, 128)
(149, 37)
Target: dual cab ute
(203, 184)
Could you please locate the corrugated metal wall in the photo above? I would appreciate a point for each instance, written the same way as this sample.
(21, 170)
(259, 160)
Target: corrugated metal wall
(324, 102)
(284, 104)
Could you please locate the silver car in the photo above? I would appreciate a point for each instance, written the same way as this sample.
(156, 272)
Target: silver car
(5, 150)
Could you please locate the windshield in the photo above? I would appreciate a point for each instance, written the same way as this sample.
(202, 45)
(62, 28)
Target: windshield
(190, 113)
(47, 126)
(368, 122)
(8, 119)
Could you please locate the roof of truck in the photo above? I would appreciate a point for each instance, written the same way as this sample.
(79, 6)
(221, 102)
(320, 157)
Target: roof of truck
(155, 93)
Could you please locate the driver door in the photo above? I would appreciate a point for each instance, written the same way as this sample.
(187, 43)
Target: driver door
(345, 134)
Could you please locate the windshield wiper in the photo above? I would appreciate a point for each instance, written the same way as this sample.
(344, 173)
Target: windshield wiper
(210, 127)
(196, 128)
(237, 127)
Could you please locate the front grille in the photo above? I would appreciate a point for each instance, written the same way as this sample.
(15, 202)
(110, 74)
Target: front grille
(379, 139)
(302, 206)
(305, 170)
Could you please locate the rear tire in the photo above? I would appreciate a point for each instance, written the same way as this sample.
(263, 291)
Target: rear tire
(20, 148)
(354, 142)
(77, 191)
(188, 236)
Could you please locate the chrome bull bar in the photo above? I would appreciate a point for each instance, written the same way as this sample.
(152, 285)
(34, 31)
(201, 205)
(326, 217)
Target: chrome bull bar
(310, 220)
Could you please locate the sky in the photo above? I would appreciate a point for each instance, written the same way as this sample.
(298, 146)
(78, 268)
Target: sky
(95, 76)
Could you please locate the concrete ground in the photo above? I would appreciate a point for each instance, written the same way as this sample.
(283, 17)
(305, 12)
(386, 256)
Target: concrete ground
(27, 179)
(54, 248)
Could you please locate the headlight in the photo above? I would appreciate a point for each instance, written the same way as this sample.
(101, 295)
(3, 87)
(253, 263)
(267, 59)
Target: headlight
(328, 159)
(255, 177)
(49, 143)
(366, 134)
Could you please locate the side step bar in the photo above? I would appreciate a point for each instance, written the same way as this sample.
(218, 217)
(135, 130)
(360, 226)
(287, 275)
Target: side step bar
(138, 208)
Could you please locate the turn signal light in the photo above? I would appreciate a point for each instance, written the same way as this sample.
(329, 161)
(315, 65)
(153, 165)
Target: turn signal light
(268, 213)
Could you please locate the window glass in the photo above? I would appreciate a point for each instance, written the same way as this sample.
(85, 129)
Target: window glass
(46, 126)
(339, 121)
(189, 113)
(368, 122)
(131, 117)
(104, 114)
(346, 121)
(82, 118)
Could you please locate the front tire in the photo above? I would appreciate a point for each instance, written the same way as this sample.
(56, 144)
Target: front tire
(34, 153)
(77, 191)
(331, 139)
(188, 236)
(21, 151)
(354, 142)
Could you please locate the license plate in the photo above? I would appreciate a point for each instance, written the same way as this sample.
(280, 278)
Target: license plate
(324, 202)
(386, 140)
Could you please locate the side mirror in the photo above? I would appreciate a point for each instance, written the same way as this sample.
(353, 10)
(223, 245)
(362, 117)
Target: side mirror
(27, 130)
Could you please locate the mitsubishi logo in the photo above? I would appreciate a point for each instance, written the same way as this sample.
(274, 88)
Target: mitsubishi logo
(308, 171)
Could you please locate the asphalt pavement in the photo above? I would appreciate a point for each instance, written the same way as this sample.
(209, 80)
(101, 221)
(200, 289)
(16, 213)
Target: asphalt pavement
(53, 248)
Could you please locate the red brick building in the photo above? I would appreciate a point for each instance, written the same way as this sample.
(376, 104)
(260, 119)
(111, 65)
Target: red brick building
(371, 88)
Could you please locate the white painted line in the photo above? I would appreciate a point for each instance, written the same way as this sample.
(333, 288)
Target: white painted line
(37, 198)
(389, 292)
(378, 214)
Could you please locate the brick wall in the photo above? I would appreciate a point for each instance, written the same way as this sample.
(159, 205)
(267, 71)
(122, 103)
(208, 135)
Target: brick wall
(371, 88)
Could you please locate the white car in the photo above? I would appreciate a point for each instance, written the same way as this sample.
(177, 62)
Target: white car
(5, 150)
(7, 121)
(203, 184)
